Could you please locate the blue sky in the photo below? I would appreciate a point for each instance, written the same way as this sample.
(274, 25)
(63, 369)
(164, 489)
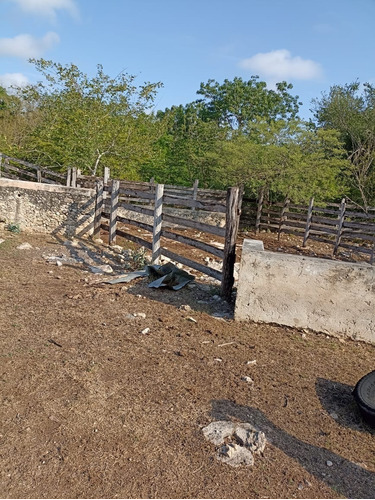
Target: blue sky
(312, 44)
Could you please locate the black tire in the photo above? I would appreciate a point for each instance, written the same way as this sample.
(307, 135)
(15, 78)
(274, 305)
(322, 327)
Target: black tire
(364, 394)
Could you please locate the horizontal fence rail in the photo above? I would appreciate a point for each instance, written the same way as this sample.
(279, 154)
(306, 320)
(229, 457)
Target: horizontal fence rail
(12, 168)
(154, 201)
(340, 225)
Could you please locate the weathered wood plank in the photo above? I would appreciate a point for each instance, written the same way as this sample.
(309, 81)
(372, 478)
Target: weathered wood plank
(113, 214)
(233, 213)
(158, 219)
(173, 200)
(137, 208)
(259, 210)
(200, 226)
(308, 222)
(340, 224)
(206, 247)
(98, 209)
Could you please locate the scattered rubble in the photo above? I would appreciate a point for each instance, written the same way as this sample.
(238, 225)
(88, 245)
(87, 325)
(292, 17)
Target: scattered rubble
(236, 443)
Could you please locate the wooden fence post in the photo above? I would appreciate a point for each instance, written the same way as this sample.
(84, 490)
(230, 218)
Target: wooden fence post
(233, 213)
(98, 208)
(106, 175)
(341, 218)
(68, 176)
(74, 177)
(283, 217)
(195, 191)
(38, 175)
(308, 222)
(113, 213)
(1, 162)
(259, 210)
(158, 219)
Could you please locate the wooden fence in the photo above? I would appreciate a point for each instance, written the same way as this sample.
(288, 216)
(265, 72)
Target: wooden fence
(12, 168)
(336, 224)
(340, 225)
(152, 200)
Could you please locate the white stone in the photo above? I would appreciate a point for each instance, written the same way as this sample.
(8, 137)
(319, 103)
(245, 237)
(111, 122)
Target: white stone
(140, 315)
(1, 241)
(24, 246)
(216, 432)
(235, 455)
(329, 463)
(105, 268)
(145, 331)
(247, 379)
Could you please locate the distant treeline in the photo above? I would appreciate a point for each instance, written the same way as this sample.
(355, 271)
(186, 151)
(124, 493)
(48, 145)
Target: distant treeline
(236, 132)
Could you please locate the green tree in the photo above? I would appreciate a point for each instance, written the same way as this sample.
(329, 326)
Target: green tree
(295, 161)
(90, 122)
(186, 143)
(238, 103)
(350, 109)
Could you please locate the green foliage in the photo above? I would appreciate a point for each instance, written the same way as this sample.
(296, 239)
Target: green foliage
(352, 113)
(238, 103)
(300, 164)
(13, 228)
(89, 122)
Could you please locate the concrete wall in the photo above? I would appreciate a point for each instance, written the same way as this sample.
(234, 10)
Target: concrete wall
(303, 292)
(47, 208)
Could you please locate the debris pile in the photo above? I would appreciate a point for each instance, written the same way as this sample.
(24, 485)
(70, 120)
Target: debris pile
(236, 443)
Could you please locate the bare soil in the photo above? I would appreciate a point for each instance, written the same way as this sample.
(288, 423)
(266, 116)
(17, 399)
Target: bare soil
(93, 408)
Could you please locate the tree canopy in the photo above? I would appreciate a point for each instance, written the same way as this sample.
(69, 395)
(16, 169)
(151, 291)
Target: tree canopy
(235, 132)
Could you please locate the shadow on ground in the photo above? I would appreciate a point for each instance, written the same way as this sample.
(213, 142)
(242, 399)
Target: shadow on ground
(337, 399)
(345, 477)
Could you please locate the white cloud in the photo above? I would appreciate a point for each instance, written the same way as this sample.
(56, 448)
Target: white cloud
(48, 8)
(13, 79)
(26, 46)
(280, 65)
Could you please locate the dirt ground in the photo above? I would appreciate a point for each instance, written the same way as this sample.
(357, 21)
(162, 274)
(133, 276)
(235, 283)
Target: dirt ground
(93, 408)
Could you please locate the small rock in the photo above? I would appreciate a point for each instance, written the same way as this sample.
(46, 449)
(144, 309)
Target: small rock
(329, 463)
(145, 331)
(59, 263)
(140, 315)
(216, 432)
(24, 246)
(218, 359)
(235, 455)
(105, 268)
(217, 298)
(1, 241)
(116, 248)
(253, 362)
(184, 307)
(192, 319)
(247, 379)
(334, 415)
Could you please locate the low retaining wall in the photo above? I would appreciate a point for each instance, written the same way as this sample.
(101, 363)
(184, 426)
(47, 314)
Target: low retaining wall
(47, 208)
(304, 292)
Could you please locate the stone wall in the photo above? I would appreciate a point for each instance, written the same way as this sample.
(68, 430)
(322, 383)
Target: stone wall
(305, 292)
(47, 208)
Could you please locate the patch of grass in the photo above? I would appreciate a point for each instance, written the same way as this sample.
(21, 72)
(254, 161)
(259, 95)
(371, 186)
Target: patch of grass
(13, 228)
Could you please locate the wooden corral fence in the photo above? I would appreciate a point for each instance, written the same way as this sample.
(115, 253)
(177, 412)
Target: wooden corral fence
(337, 224)
(12, 168)
(341, 225)
(166, 207)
